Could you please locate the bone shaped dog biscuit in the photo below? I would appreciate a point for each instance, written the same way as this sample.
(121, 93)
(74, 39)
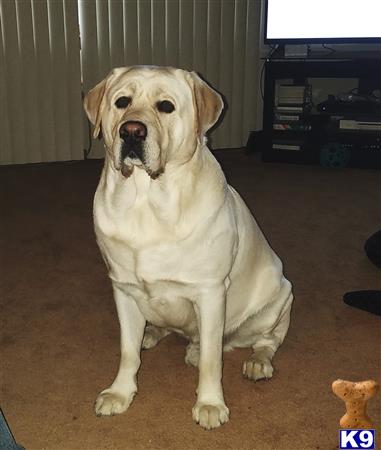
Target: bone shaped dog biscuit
(355, 396)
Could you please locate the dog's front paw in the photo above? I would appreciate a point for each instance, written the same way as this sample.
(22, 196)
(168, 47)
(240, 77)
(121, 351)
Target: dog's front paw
(257, 369)
(210, 416)
(111, 402)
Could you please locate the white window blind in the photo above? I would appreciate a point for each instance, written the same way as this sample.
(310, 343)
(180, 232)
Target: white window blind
(42, 66)
(41, 106)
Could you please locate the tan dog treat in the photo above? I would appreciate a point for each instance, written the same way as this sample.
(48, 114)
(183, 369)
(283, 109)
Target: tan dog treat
(355, 396)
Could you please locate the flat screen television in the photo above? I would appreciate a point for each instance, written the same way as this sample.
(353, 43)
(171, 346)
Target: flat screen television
(322, 21)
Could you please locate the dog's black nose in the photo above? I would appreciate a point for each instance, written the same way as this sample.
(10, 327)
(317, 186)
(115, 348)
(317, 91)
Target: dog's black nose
(133, 130)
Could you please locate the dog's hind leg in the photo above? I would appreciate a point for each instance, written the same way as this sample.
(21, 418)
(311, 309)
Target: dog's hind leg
(153, 335)
(259, 365)
(192, 354)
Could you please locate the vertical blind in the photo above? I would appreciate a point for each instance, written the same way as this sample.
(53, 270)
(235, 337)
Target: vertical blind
(53, 50)
(40, 81)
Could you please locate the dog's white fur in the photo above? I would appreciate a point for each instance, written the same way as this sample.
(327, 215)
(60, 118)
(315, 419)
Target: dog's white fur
(183, 251)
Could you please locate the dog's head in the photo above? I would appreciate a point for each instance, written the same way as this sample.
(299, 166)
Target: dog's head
(149, 116)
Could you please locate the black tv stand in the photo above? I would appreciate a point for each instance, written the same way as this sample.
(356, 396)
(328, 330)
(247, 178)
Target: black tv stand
(322, 129)
(325, 53)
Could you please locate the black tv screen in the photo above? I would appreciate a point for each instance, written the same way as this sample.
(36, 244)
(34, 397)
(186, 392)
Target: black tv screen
(322, 21)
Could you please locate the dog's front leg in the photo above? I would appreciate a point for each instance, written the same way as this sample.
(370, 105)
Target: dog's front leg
(210, 410)
(118, 397)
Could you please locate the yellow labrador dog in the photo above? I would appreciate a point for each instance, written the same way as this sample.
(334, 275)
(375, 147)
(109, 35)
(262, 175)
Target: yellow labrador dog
(183, 251)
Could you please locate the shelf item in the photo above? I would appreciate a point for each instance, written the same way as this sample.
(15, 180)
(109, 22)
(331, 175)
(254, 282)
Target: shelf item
(289, 109)
(371, 125)
(291, 126)
(287, 145)
(289, 95)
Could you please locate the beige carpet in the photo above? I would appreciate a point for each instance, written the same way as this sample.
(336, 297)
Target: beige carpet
(59, 331)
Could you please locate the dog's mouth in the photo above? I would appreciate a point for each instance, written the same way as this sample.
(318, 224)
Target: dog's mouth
(131, 156)
(133, 150)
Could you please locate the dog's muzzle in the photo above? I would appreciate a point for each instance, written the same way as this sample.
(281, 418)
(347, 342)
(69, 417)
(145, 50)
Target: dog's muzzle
(133, 135)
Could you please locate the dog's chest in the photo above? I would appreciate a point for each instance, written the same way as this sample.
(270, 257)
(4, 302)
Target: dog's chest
(137, 247)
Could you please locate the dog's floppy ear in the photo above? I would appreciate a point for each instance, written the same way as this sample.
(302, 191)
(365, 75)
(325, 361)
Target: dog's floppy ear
(94, 100)
(93, 104)
(208, 104)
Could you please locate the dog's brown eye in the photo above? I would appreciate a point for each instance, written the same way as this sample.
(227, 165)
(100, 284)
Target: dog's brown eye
(165, 106)
(123, 102)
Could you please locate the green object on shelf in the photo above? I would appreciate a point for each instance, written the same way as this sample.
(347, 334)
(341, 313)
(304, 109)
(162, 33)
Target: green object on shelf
(334, 155)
